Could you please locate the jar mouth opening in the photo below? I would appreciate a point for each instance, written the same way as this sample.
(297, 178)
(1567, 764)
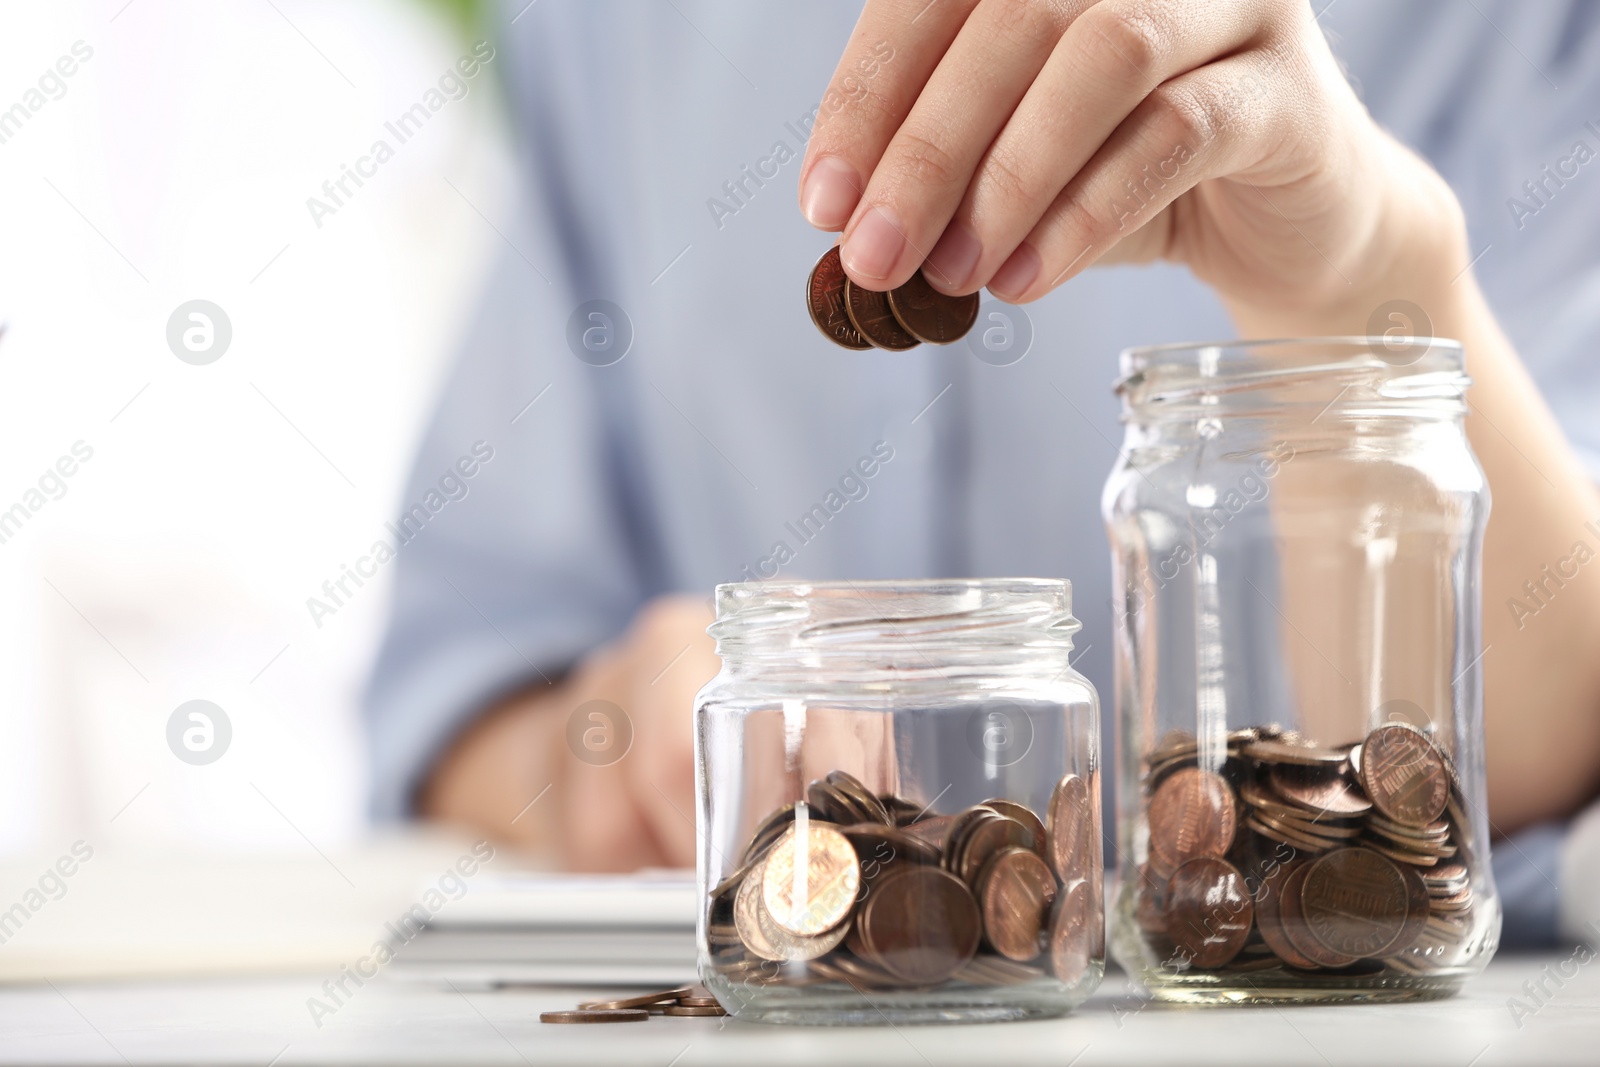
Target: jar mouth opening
(1371, 374)
(864, 615)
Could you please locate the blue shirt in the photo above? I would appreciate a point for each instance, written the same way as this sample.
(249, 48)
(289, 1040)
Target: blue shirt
(662, 144)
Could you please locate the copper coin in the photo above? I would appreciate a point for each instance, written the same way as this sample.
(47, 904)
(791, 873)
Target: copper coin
(1025, 815)
(747, 909)
(1069, 829)
(901, 810)
(955, 837)
(1327, 792)
(1269, 917)
(931, 316)
(1354, 901)
(809, 883)
(934, 829)
(685, 1009)
(792, 946)
(870, 315)
(987, 838)
(1288, 751)
(627, 1015)
(1404, 774)
(635, 1002)
(1015, 892)
(1191, 815)
(1418, 908)
(921, 924)
(1070, 934)
(768, 831)
(1288, 837)
(825, 300)
(1294, 925)
(860, 796)
(879, 846)
(1209, 911)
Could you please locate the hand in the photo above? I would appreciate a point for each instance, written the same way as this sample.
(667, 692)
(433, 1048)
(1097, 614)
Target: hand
(603, 803)
(1013, 144)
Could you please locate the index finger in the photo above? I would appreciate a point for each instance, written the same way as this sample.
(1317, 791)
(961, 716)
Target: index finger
(893, 50)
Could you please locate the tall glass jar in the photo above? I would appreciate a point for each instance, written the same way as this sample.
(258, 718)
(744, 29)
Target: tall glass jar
(898, 787)
(1296, 529)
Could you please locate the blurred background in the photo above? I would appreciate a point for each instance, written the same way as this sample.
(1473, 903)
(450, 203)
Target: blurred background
(174, 163)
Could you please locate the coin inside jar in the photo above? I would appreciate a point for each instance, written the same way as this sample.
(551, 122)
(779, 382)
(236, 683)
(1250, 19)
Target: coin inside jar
(1404, 774)
(1068, 829)
(1210, 911)
(1192, 814)
(1354, 901)
(1070, 937)
(920, 924)
(1015, 892)
(810, 881)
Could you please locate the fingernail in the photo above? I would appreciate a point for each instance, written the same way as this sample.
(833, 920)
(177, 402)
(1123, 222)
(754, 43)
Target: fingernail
(1016, 274)
(950, 263)
(832, 189)
(875, 246)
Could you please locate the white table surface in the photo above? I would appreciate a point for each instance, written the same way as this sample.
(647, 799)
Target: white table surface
(263, 1021)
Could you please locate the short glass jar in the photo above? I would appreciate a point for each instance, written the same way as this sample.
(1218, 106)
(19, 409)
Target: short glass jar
(1296, 529)
(898, 789)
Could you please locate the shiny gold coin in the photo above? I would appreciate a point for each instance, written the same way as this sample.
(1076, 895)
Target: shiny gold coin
(809, 882)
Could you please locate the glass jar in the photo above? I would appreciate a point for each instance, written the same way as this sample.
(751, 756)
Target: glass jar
(898, 789)
(1296, 529)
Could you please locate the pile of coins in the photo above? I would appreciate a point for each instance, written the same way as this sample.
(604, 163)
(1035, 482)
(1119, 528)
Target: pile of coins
(870, 891)
(1353, 860)
(683, 1001)
(916, 312)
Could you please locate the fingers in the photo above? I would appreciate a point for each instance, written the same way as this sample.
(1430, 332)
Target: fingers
(919, 180)
(1186, 131)
(1107, 63)
(894, 47)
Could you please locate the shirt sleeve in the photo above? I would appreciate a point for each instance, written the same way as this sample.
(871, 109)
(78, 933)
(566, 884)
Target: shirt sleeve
(508, 574)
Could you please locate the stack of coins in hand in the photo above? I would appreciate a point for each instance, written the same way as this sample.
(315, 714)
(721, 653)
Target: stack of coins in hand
(1354, 860)
(853, 317)
(870, 891)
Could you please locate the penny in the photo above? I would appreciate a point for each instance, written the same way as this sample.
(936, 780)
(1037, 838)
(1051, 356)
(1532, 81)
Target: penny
(635, 1002)
(792, 946)
(986, 839)
(629, 1015)
(825, 301)
(1286, 751)
(768, 831)
(860, 796)
(1209, 911)
(1294, 925)
(934, 829)
(1191, 815)
(931, 316)
(870, 315)
(1404, 774)
(684, 1009)
(960, 825)
(1070, 936)
(1068, 829)
(809, 883)
(1354, 901)
(921, 924)
(879, 846)
(1269, 917)
(747, 908)
(1290, 837)
(1328, 793)
(1417, 908)
(1016, 891)
(901, 810)
(1023, 814)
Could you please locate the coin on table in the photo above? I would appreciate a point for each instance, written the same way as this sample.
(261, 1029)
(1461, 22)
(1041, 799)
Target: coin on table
(666, 995)
(1404, 774)
(810, 882)
(1191, 815)
(929, 315)
(1209, 911)
(870, 315)
(1015, 892)
(685, 1009)
(825, 300)
(625, 1015)
(1354, 901)
(920, 924)
(1070, 936)
(1069, 829)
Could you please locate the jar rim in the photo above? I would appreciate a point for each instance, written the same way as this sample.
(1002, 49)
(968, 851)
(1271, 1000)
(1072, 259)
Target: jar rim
(1224, 359)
